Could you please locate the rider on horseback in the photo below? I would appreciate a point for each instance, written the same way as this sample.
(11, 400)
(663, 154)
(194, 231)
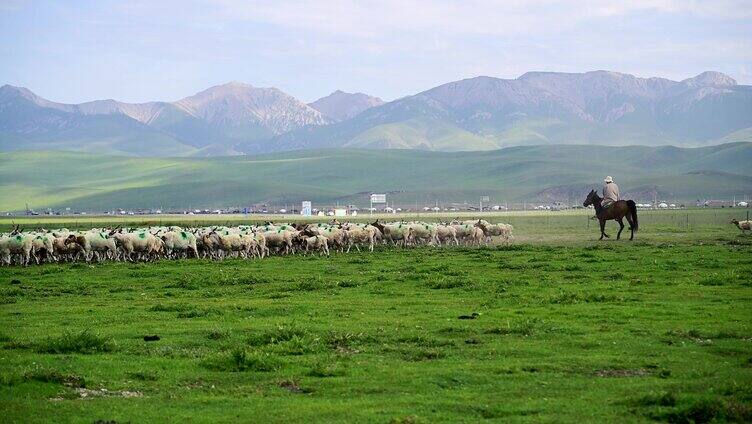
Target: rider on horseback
(611, 207)
(610, 192)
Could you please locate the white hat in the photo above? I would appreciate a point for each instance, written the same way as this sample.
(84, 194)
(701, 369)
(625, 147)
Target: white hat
(608, 179)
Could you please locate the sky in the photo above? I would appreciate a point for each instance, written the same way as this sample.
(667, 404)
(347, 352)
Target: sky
(137, 51)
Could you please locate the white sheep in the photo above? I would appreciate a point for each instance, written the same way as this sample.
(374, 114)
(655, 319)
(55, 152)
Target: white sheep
(743, 225)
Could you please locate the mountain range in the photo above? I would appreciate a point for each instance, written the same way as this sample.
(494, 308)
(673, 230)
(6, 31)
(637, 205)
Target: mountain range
(482, 113)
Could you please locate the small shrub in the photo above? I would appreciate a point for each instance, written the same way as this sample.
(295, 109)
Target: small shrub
(240, 360)
(182, 284)
(326, 369)
(657, 399)
(447, 283)
(308, 285)
(216, 335)
(174, 307)
(701, 411)
(299, 345)
(198, 313)
(347, 283)
(83, 342)
(526, 328)
(277, 335)
(142, 376)
(421, 354)
(336, 340)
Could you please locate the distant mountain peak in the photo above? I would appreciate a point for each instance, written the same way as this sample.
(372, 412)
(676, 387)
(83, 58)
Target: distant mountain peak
(341, 105)
(710, 78)
(24, 92)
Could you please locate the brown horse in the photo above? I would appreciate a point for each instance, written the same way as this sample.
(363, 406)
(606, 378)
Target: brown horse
(617, 211)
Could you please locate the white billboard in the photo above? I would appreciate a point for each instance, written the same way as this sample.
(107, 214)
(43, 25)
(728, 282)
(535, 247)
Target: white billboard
(378, 198)
(305, 208)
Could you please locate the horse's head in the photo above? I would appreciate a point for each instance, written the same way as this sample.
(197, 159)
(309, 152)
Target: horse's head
(590, 199)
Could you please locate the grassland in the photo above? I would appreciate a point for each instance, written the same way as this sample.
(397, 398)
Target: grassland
(567, 330)
(96, 182)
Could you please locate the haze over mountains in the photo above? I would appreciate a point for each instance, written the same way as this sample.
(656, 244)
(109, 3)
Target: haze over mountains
(481, 113)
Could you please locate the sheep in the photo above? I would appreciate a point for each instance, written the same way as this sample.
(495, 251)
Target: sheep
(476, 236)
(421, 231)
(241, 244)
(394, 233)
(356, 235)
(244, 241)
(146, 245)
(181, 241)
(42, 245)
(316, 243)
(464, 231)
(447, 234)
(63, 250)
(93, 243)
(17, 243)
(280, 239)
(742, 225)
(335, 237)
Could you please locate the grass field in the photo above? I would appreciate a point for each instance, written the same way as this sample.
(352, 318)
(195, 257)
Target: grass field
(88, 182)
(567, 329)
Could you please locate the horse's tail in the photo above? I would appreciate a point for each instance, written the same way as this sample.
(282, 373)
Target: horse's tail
(633, 211)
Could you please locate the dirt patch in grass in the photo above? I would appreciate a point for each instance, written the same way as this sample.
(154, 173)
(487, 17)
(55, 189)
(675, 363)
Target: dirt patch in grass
(84, 393)
(617, 372)
(293, 386)
(54, 376)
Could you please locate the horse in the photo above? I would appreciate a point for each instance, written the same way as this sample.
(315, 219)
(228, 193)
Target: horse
(617, 211)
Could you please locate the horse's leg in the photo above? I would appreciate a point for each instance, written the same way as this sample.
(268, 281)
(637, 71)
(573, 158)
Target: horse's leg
(621, 227)
(603, 228)
(631, 225)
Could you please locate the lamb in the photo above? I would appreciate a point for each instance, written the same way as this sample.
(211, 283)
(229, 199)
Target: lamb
(743, 225)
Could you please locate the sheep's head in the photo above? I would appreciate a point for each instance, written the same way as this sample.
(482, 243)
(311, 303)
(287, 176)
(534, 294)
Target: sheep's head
(76, 239)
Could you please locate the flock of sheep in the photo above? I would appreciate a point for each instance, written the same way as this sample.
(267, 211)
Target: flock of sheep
(245, 241)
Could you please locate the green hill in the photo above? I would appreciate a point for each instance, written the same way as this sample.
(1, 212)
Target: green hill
(542, 173)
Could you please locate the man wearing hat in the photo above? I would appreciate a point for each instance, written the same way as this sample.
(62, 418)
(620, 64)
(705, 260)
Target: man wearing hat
(610, 192)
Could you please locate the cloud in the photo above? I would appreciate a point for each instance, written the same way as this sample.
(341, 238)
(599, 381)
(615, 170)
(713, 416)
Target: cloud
(171, 48)
(377, 18)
